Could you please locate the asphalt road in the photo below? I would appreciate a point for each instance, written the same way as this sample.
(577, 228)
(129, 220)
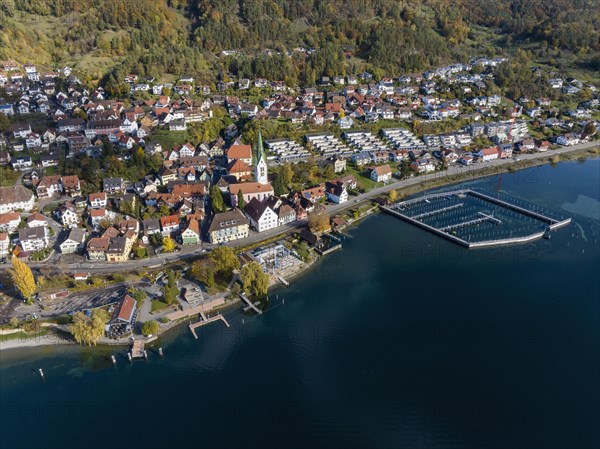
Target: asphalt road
(254, 237)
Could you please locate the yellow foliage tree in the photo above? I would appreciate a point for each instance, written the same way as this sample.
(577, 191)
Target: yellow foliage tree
(168, 244)
(88, 330)
(393, 195)
(318, 221)
(23, 278)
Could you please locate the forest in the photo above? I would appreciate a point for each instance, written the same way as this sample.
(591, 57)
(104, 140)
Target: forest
(108, 38)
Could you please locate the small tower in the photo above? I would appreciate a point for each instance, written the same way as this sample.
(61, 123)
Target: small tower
(260, 164)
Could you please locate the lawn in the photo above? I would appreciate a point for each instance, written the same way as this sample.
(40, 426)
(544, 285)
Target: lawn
(8, 177)
(157, 306)
(169, 139)
(362, 179)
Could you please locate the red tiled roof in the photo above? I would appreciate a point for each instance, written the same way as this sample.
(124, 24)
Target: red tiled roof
(127, 308)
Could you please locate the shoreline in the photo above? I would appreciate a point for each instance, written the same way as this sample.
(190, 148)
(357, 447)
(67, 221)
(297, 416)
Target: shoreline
(53, 339)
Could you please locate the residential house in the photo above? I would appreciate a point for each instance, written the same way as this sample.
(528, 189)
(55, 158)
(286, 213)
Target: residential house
(169, 225)
(9, 222)
(261, 216)
(35, 220)
(15, 198)
(34, 239)
(568, 139)
(4, 244)
(336, 192)
(74, 241)
(120, 247)
(285, 214)
(228, 226)
(191, 234)
(68, 215)
(382, 173)
(96, 248)
(113, 185)
(98, 200)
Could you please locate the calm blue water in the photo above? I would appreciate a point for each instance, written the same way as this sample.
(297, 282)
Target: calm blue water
(399, 340)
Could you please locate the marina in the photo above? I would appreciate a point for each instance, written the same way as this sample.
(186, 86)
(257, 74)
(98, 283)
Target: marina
(474, 219)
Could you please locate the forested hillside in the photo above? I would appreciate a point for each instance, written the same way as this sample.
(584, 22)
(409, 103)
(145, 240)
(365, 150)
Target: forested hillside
(107, 38)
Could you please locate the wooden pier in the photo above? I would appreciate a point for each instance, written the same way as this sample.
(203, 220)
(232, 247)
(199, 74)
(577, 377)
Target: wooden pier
(137, 349)
(205, 321)
(249, 304)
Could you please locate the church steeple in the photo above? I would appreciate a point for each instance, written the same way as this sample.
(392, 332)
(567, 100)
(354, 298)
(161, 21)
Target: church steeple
(260, 165)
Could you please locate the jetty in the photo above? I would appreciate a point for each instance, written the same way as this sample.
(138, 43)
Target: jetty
(204, 321)
(250, 304)
(137, 349)
(464, 217)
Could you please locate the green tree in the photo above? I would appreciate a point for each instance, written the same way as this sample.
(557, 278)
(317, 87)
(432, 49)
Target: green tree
(150, 328)
(241, 202)
(255, 281)
(88, 330)
(216, 199)
(224, 259)
(23, 278)
(203, 271)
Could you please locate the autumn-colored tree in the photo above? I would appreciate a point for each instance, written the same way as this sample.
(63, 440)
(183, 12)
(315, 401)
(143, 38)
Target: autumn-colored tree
(88, 330)
(318, 221)
(224, 259)
(168, 245)
(393, 195)
(23, 278)
(254, 279)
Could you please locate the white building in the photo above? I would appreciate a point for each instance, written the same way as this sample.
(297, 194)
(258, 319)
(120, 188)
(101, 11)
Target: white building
(261, 216)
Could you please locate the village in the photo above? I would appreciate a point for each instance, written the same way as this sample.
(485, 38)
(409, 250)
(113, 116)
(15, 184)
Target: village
(357, 134)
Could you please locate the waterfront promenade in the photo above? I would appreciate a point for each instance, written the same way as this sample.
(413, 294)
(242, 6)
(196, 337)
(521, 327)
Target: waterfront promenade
(472, 171)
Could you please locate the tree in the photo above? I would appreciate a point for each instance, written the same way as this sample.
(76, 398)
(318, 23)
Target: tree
(241, 202)
(203, 271)
(216, 199)
(318, 221)
(255, 281)
(88, 330)
(224, 259)
(168, 245)
(23, 279)
(393, 195)
(150, 328)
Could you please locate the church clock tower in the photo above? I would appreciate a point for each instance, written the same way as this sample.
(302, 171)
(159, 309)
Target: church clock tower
(260, 164)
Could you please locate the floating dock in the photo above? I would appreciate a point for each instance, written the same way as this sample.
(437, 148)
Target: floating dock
(250, 304)
(462, 216)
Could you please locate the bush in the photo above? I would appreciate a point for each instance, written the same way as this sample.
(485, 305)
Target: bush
(150, 327)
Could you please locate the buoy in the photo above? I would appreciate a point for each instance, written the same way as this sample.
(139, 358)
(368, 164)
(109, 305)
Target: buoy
(243, 321)
(283, 301)
(114, 360)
